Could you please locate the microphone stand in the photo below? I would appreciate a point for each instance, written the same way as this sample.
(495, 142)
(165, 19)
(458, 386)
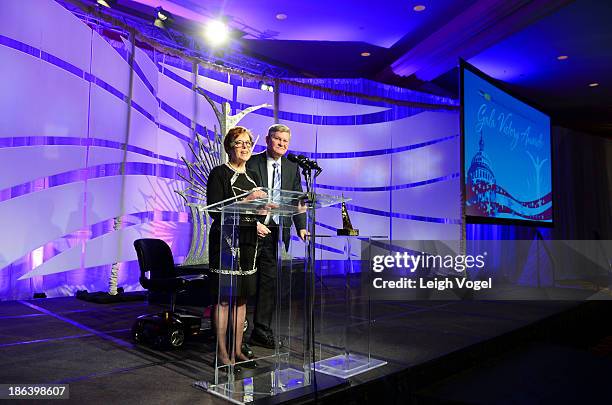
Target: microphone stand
(308, 166)
(310, 266)
(312, 199)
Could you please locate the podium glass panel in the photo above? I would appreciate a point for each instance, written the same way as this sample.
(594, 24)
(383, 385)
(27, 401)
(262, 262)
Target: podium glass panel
(287, 365)
(343, 309)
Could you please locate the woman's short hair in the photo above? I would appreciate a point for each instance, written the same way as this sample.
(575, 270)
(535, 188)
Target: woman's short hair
(232, 134)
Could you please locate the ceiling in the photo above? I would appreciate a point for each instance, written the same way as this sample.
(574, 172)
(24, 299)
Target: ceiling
(514, 41)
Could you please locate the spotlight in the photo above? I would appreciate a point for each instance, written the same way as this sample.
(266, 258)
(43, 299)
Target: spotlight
(216, 32)
(106, 3)
(162, 18)
(162, 14)
(266, 87)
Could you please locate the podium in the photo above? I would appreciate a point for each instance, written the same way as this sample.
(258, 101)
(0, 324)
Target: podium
(344, 309)
(288, 365)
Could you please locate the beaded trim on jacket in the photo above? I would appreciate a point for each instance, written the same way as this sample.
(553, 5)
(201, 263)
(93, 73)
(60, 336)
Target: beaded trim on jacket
(236, 251)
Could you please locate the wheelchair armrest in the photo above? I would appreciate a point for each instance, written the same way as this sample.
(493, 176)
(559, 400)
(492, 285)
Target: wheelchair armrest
(191, 269)
(163, 284)
(193, 277)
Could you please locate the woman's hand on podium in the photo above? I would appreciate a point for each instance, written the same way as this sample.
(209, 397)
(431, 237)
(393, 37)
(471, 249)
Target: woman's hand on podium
(262, 230)
(256, 194)
(266, 208)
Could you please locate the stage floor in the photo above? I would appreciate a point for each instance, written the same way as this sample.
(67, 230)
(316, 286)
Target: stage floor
(88, 346)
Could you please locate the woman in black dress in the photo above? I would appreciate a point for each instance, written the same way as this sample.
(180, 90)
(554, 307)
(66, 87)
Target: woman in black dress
(233, 280)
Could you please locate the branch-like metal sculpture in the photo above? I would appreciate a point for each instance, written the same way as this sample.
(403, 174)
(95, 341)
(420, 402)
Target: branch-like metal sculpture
(225, 119)
(206, 155)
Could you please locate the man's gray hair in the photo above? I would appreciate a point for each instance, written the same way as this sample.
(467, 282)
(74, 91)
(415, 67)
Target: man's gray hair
(278, 128)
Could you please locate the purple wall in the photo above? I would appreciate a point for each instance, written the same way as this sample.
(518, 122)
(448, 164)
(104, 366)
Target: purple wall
(65, 119)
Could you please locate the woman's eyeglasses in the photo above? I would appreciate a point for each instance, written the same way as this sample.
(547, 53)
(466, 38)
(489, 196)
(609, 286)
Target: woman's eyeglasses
(243, 144)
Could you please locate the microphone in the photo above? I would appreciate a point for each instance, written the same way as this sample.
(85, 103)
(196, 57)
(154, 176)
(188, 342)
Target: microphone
(300, 160)
(310, 164)
(305, 163)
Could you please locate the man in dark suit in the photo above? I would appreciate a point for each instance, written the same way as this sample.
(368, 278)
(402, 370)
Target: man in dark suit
(275, 171)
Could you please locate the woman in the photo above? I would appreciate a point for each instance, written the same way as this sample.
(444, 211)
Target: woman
(233, 280)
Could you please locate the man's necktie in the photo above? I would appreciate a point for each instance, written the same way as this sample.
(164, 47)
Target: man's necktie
(276, 186)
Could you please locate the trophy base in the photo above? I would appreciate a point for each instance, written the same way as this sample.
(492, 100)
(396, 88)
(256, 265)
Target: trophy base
(347, 232)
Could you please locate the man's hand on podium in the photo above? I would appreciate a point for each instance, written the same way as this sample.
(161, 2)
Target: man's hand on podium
(303, 234)
(302, 207)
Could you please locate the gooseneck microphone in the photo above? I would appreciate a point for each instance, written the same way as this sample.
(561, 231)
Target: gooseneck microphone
(292, 157)
(305, 163)
(295, 159)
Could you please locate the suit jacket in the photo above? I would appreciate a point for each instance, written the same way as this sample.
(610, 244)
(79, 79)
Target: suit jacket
(290, 180)
(218, 188)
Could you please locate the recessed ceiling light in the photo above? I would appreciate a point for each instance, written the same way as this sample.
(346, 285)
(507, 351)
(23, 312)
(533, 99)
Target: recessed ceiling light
(562, 57)
(419, 7)
(365, 53)
(595, 84)
(281, 16)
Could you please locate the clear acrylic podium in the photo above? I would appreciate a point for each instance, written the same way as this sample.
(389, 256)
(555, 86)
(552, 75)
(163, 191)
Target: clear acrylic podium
(343, 307)
(288, 365)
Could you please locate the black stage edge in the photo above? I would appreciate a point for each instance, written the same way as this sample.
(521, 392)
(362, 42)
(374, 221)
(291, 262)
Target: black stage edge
(581, 326)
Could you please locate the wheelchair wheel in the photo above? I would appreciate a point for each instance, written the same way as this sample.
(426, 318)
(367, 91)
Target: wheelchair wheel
(176, 336)
(137, 332)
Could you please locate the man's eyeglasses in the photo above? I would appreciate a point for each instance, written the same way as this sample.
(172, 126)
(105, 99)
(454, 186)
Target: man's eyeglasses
(243, 144)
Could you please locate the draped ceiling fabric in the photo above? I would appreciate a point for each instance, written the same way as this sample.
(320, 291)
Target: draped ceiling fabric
(88, 137)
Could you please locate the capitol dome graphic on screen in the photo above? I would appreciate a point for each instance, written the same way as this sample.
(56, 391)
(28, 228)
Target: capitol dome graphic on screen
(507, 169)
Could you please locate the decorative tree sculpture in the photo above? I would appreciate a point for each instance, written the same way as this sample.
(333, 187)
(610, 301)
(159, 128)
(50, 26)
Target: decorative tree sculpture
(206, 155)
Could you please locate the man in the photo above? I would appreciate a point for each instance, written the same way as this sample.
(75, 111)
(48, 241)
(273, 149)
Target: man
(275, 171)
